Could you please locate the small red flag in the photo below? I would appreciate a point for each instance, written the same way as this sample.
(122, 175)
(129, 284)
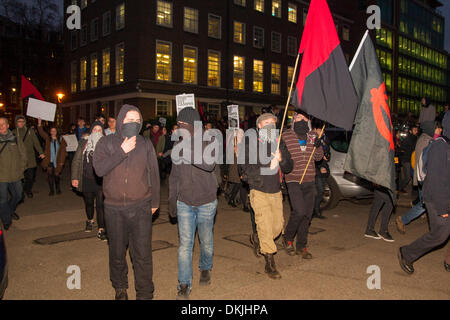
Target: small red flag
(29, 90)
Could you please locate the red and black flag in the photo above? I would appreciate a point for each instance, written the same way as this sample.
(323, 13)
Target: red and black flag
(324, 88)
(371, 151)
(28, 90)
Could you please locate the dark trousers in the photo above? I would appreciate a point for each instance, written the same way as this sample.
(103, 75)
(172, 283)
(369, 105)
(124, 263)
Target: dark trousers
(11, 194)
(438, 234)
(320, 188)
(131, 228)
(301, 197)
(28, 179)
(53, 179)
(91, 199)
(241, 189)
(405, 176)
(382, 201)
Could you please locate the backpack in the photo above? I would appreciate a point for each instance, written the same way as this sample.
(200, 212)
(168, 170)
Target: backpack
(423, 159)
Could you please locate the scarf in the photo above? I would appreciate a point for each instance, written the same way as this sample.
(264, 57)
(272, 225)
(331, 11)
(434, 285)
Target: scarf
(92, 140)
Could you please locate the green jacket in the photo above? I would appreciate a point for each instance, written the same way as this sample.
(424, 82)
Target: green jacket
(13, 158)
(31, 143)
(77, 164)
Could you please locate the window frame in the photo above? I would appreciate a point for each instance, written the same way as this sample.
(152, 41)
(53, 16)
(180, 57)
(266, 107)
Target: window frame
(244, 33)
(290, 4)
(243, 72)
(220, 25)
(117, 68)
(169, 108)
(271, 41)
(91, 73)
(196, 64)
(156, 59)
(119, 23)
(196, 21)
(93, 23)
(254, 37)
(219, 70)
(109, 67)
(171, 14)
(105, 14)
(263, 5)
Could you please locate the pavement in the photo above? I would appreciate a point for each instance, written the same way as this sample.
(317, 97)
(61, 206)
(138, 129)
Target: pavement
(338, 270)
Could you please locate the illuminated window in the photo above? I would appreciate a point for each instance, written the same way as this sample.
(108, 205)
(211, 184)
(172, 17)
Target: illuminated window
(214, 26)
(258, 37)
(164, 13)
(163, 61)
(163, 108)
(240, 2)
(120, 16)
(191, 20)
(83, 74)
(276, 76)
(213, 68)
(73, 76)
(259, 5)
(292, 13)
(292, 46)
(94, 71)
(106, 65)
(106, 23)
(276, 42)
(290, 74)
(190, 65)
(238, 73)
(258, 75)
(239, 32)
(276, 8)
(120, 63)
(346, 33)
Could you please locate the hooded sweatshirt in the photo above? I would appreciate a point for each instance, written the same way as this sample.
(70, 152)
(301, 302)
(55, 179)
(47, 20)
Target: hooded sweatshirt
(436, 187)
(30, 142)
(423, 141)
(126, 175)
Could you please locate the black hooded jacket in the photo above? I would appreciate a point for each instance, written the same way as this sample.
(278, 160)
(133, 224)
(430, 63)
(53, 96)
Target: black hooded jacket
(125, 175)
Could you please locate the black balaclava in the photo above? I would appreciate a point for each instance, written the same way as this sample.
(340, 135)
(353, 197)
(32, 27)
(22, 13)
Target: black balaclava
(301, 129)
(130, 129)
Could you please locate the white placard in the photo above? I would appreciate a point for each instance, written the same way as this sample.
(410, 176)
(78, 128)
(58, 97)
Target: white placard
(233, 116)
(72, 142)
(162, 121)
(41, 109)
(185, 100)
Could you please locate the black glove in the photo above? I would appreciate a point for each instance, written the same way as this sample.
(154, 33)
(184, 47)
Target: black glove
(317, 142)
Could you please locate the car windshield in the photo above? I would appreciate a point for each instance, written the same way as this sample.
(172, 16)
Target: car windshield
(339, 139)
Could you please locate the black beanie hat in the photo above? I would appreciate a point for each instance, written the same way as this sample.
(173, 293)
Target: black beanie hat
(97, 123)
(188, 115)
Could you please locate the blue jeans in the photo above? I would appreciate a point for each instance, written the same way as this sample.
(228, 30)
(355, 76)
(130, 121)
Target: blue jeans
(8, 206)
(415, 211)
(189, 219)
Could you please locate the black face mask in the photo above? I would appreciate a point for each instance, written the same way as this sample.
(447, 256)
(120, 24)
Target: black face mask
(301, 128)
(130, 129)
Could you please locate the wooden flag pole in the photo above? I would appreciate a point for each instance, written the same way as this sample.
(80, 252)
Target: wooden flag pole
(312, 153)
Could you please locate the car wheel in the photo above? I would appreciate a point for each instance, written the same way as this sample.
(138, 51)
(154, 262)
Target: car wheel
(331, 195)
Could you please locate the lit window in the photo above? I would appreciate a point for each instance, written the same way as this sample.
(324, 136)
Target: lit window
(83, 36)
(163, 108)
(106, 64)
(94, 29)
(276, 42)
(239, 32)
(73, 76)
(94, 71)
(292, 46)
(106, 23)
(276, 76)
(164, 13)
(213, 68)
(190, 65)
(258, 37)
(240, 2)
(163, 61)
(238, 73)
(214, 26)
(120, 63)
(346, 33)
(259, 5)
(83, 74)
(290, 71)
(191, 20)
(120, 16)
(276, 8)
(258, 75)
(292, 13)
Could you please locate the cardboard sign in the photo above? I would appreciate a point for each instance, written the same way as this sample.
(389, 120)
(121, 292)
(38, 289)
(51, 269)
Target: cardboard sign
(41, 109)
(72, 142)
(233, 116)
(162, 121)
(185, 100)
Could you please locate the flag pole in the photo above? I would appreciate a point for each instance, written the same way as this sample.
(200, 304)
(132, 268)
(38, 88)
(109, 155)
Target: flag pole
(312, 153)
(288, 100)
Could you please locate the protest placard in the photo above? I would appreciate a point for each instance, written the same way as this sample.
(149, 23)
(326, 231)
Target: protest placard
(72, 142)
(185, 100)
(233, 116)
(41, 109)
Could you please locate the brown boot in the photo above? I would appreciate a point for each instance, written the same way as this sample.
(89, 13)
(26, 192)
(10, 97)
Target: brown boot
(271, 269)
(400, 225)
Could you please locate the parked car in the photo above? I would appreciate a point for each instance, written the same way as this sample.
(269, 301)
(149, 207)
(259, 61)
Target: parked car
(3, 264)
(341, 184)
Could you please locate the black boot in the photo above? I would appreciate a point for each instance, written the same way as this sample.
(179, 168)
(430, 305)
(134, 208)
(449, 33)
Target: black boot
(232, 203)
(121, 294)
(271, 269)
(254, 240)
(15, 216)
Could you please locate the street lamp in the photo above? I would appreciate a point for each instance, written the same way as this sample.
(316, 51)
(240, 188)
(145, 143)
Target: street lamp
(60, 96)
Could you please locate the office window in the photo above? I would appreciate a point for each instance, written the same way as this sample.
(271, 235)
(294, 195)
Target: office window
(346, 33)
(106, 65)
(83, 36)
(106, 23)
(191, 20)
(73, 76)
(259, 5)
(120, 63)
(163, 61)
(214, 26)
(276, 42)
(305, 15)
(276, 8)
(83, 74)
(73, 40)
(258, 75)
(290, 74)
(120, 16)
(238, 73)
(94, 29)
(163, 108)
(292, 46)
(276, 76)
(213, 68)
(239, 32)
(164, 13)
(292, 12)
(258, 37)
(94, 71)
(240, 2)
(190, 65)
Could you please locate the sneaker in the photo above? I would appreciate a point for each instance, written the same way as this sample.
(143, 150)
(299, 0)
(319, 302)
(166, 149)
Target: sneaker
(121, 294)
(386, 236)
(15, 216)
(205, 277)
(400, 225)
(447, 266)
(372, 234)
(289, 246)
(183, 292)
(89, 226)
(101, 235)
(406, 266)
(304, 253)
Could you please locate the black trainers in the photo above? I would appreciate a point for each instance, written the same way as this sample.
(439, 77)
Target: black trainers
(15, 216)
(121, 294)
(386, 236)
(372, 234)
(183, 292)
(289, 246)
(205, 277)
(101, 235)
(406, 266)
(89, 226)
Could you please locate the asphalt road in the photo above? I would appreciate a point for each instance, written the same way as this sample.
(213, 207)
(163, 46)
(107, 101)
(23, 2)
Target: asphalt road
(338, 270)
